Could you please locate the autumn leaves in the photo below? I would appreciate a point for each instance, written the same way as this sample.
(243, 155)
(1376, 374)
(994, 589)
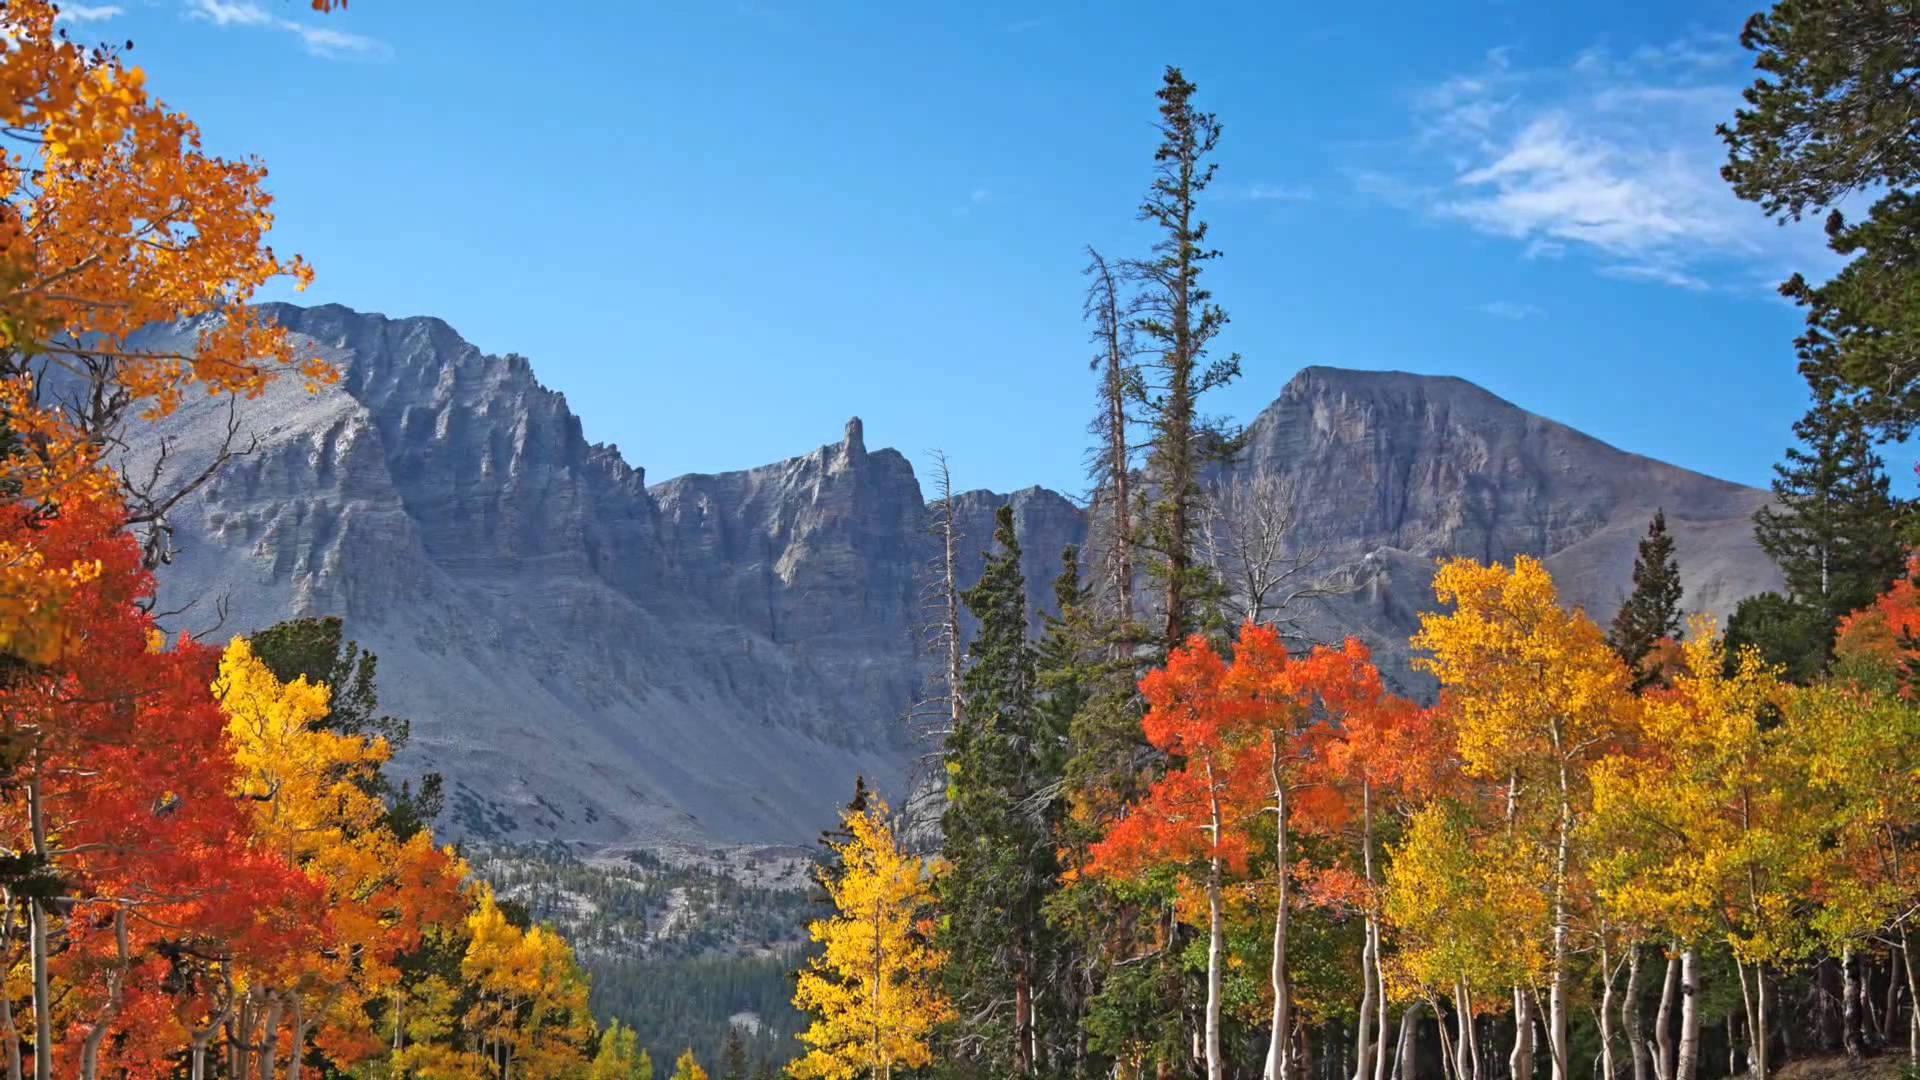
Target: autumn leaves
(1524, 858)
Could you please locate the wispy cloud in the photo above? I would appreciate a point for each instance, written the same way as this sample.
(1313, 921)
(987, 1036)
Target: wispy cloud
(83, 13)
(1262, 192)
(230, 12)
(979, 196)
(1511, 310)
(1609, 156)
(323, 41)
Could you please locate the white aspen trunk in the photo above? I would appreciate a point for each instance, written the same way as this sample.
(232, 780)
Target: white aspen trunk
(1520, 1061)
(1686, 1067)
(1606, 1011)
(1913, 996)
(298, 1028)
(270, 1040)
(1408, 1043)
(38, 934)
(1280, 1042)
(1557, 986)
(1663, 1062)
(1363, 1040)
(1383, 1053)
(1463, 1032)
(116, 996)
(7, 1022)
(1630, 1014)
(1216, 950)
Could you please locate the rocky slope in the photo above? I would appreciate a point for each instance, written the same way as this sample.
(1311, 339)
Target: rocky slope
(711, 659)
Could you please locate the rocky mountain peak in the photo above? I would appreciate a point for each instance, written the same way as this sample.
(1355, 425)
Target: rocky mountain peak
(714, 657)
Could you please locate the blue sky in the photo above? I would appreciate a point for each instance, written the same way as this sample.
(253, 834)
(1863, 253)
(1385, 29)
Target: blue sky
(723, 228)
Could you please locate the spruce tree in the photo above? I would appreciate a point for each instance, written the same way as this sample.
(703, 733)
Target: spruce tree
(1001, 761)
(1652, 611)
(1177, 320)
(1835, 528)
(733, 1057)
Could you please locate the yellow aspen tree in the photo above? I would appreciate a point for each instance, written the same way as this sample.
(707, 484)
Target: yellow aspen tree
(1537, 697)
(530, 1012)
(688, 1068)
(1702, 828)
(1468, 918)
(873, 989)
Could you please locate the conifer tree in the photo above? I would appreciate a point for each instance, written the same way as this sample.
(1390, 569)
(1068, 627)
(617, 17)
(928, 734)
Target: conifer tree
(1834, 531)
(999, 843)
(1652, 611)
(1177, 320)
(733, 1057)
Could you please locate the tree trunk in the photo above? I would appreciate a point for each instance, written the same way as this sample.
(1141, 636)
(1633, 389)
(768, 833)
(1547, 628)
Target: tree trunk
(1630, 1015)
(1279, 1065)
(1687, 1065)
(1520, 1061)
(1407, 1044)
(1663, 1064)
(8, 1025)
(116, 997)
(1463, 1032)
(1106, 303)
(1913, 996)
(270, 1040)
(1363, 1040)
(1849, 1006)
(298, 1051)
(1606, 1010)
(1216, 963)
(1383, 1050)
(1472, 1029)
(1557, 984)
(38, 934)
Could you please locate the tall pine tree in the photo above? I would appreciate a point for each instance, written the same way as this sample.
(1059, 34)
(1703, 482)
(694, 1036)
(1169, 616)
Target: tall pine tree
(1835, 531)
(1177, 322)
(1652, 611)
(1003, 761)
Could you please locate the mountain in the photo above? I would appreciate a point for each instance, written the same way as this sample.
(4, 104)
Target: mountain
(710, 660)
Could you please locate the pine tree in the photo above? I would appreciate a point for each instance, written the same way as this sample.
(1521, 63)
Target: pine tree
(733, 1058)
(1835, 528)
(1179, 320)
(1829, 117)
(999, 839)
(1652, 611)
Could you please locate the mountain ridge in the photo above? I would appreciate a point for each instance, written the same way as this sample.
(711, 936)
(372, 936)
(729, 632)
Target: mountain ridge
(711, 658)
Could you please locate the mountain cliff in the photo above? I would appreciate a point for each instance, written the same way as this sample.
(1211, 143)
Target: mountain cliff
(711, 659)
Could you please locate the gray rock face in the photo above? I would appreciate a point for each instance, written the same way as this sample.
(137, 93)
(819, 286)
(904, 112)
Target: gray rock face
(711, 659)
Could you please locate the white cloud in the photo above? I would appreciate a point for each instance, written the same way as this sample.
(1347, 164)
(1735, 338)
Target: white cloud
(328, 42)
(1272, 193)
(83, 13)
(1612, 157)
(230, 12)
(322, 41)
(1511, 310)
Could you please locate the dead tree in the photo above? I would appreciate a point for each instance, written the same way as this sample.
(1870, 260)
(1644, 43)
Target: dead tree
(1269, 578)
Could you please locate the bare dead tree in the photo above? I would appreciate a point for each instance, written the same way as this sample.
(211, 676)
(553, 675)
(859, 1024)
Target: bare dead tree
(152, 494)
(932, 718)
(1111, 459)
(84, 384)
(1248, 537)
